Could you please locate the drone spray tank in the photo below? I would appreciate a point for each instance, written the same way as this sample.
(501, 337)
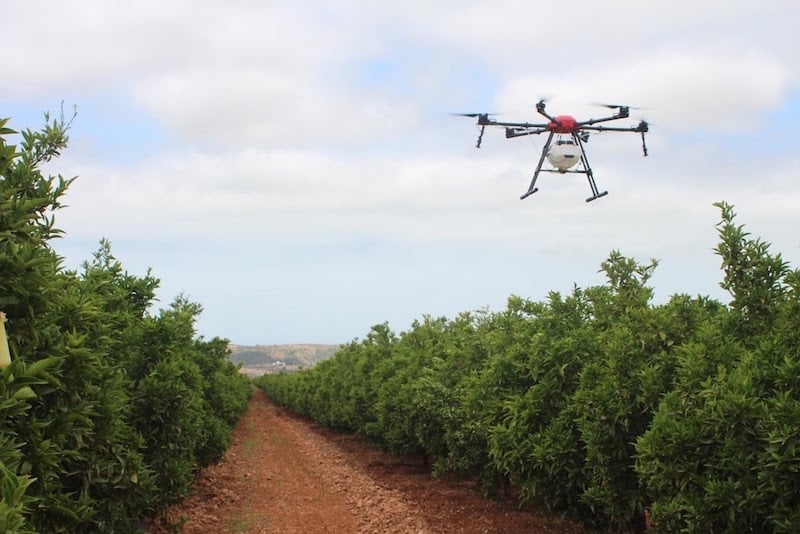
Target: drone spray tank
(564, 153)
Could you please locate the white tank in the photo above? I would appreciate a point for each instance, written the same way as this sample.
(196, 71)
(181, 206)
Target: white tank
(563, 154)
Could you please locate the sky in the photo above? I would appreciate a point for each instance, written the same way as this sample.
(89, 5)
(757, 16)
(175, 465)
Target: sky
(293, 166)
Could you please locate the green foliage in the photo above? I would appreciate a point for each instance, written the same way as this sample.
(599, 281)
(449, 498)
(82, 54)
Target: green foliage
(599, 404)
(753, 277)
(106, 412)
(549, 397)
(16, 395)
(722, 452)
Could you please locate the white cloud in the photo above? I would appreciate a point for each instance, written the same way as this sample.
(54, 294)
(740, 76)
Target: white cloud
(682, 90)
(310, 140)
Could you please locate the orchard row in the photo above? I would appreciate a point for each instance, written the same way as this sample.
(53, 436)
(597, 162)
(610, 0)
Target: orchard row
(598, 404)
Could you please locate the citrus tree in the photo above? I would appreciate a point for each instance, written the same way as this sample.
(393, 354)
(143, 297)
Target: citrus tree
(106, 410)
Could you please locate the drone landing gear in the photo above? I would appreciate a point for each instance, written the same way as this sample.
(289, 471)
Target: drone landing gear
(532, 188)
(598, 195)
(588, 171)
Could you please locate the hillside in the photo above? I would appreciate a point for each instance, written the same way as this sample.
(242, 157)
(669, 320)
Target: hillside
(260, 359)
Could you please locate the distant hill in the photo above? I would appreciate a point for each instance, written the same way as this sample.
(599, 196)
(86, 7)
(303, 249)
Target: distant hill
(260, 359)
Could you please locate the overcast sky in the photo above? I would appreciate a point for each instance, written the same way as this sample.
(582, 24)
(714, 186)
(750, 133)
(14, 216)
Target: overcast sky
(292, 165)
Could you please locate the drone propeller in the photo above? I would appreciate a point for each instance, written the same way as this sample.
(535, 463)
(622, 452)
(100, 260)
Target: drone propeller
(613, 106)
(542, 101)
(473, 115)
(609, 106)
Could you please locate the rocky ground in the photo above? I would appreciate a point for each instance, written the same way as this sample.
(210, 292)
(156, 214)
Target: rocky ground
(284, 474)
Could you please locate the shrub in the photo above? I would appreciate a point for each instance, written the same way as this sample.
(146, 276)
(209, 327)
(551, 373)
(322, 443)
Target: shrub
(105, 413)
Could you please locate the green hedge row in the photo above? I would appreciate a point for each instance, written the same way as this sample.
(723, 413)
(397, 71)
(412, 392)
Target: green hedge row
(599, 404)
(106, 410)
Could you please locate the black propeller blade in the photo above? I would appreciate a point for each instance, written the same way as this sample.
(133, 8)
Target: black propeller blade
(613, 106)
(473, 115)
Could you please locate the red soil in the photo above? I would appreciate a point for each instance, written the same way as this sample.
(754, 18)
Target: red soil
(284, 474)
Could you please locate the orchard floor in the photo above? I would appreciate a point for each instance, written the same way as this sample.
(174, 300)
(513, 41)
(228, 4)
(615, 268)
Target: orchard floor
(284, 474)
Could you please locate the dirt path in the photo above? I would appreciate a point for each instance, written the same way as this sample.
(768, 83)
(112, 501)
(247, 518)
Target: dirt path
(283, 474)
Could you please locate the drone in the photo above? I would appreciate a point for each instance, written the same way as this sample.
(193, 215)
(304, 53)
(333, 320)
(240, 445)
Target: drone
(567, 150)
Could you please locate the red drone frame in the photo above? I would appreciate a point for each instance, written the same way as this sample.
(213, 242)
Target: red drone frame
(571, 135)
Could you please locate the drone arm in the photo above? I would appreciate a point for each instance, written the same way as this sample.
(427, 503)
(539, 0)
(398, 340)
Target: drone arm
(519, 132)
(613, 129)
(526, 125)
(642, 128)
(603, 119)
(623, 112)
(520, 128)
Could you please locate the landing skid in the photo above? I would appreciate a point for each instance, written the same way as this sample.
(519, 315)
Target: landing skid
(598, 195)
(529, 193)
